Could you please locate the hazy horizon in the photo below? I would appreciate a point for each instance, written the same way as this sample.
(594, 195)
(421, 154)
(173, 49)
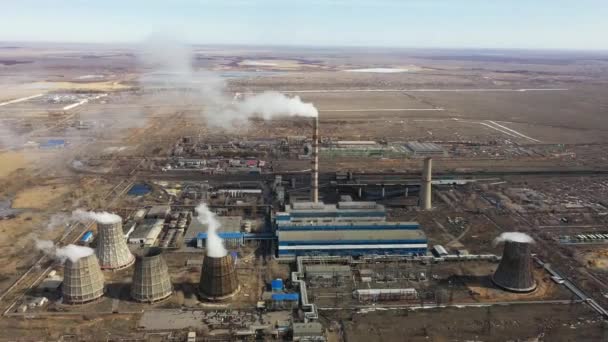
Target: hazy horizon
(440, 24)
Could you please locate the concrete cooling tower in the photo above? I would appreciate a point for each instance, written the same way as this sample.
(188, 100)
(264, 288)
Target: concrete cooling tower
(83, 280)
(514, 272)
(112, 250)
(151, 280)
(218, 278)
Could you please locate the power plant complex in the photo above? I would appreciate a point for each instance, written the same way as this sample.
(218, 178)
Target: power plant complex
(284, 245)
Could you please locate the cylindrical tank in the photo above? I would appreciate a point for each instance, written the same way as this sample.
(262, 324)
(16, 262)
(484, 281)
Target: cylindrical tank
(514, 273)
(112, 250)
(151, 281)
(218, 278)
(83, 280)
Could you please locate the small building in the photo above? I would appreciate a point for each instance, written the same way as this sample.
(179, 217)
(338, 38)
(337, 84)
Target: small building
(375, 295)
(158, 212)
(424, 149)
(53, 144)
(327, 271)
(439, 251)
(146, 233)
(50, 284)
(311, 331)
(231, 239)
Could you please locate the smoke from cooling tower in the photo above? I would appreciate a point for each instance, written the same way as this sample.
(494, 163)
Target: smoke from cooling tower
(72, 252)
(215, 245)
(100, 217)
(171, 68)
(513, 236)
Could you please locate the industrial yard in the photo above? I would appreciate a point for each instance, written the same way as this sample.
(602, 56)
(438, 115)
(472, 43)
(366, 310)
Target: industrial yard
(383, 215)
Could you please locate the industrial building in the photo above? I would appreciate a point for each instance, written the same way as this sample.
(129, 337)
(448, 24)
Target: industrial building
(424, 149)
(230, 231)
(348, 228)
(146, 233)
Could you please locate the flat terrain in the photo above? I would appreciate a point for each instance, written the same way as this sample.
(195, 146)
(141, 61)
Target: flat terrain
(80, 123)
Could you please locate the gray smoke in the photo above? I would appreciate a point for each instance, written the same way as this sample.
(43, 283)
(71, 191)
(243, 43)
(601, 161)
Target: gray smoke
(173, 73)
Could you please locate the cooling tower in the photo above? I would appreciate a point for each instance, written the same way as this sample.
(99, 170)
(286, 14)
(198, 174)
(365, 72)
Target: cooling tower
(218, 278)
(151, 281)
(514, 272)
(112, 250)
(82, 280)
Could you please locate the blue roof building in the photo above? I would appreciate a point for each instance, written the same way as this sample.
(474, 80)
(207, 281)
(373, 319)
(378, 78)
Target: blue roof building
(348, 228)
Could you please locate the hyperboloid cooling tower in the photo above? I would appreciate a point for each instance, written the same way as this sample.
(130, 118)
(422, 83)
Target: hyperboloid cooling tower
(112, 250)
(514, 272)
(151, 281)
(218, 278)
(82, 280)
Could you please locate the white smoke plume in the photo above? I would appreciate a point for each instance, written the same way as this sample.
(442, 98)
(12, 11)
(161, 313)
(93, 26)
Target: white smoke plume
(99, 217)
(174, 74)
(215, 245)
(513, 236)
(72, 252)
(58, 220)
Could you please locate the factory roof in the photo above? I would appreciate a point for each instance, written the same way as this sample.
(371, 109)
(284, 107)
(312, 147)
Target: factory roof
(346, 225)
(147, 229)
(327, 269)
(307, 329)
(227, 224)
(422, 147)
(158, 211)
(344, 207)
(344, 236)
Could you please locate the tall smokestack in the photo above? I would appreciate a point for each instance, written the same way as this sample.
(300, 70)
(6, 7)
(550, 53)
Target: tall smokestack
(514, 273)
(314, 182)
(425, 187)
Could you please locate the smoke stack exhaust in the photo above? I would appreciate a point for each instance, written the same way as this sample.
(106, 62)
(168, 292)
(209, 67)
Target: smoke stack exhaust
(314, 182)
(425, 187)
(514, 273)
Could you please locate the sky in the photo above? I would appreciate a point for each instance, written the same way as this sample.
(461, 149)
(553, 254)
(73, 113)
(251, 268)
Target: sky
(527, 24)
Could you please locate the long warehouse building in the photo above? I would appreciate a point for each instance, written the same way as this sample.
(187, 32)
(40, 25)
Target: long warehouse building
(349, 228)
